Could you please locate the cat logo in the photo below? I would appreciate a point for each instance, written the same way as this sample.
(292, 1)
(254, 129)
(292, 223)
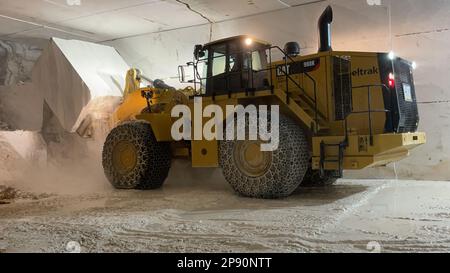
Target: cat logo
(298, 67)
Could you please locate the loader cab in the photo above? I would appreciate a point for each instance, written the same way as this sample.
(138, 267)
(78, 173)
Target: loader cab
(232, 65)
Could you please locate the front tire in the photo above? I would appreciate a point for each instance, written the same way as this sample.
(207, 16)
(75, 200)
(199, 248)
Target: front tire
(133, 159)
(276, 174)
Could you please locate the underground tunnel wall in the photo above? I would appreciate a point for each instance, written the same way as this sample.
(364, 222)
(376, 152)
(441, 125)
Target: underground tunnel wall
(419, 33)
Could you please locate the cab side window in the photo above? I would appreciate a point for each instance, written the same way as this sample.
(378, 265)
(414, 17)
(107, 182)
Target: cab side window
(203, 71)
(219, 60)
(256, 64)
(256, 60)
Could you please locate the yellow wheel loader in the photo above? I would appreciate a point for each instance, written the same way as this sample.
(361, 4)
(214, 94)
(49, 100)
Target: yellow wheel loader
(338, 111)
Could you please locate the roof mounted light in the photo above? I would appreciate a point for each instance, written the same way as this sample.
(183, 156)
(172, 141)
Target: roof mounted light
(248, 41)
(391, 55)
(414, 65)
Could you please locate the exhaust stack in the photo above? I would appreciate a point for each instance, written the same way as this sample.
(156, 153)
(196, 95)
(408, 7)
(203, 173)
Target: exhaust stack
(325, 21)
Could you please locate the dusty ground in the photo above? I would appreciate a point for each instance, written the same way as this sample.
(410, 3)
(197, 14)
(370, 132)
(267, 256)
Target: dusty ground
(192, 216)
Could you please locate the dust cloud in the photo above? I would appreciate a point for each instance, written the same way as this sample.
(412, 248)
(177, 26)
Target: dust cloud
(73, 167)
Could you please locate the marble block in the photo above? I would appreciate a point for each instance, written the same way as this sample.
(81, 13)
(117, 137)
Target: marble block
(70, 74)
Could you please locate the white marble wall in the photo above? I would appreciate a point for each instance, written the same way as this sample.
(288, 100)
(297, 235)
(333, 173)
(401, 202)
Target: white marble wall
(420, 32)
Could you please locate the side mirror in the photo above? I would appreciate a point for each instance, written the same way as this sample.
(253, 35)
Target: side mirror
(181, 74)
(198, 52)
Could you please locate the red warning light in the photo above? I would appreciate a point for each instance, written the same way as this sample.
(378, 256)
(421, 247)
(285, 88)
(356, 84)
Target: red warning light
(391, 80)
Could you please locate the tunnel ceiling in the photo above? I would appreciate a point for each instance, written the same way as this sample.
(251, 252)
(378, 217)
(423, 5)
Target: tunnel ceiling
(103, 20)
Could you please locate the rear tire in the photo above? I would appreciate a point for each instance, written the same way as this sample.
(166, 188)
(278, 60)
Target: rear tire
(269, 175)
(133, 159)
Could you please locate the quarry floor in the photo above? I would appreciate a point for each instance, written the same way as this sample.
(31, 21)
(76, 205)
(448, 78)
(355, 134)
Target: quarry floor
(352, 216)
